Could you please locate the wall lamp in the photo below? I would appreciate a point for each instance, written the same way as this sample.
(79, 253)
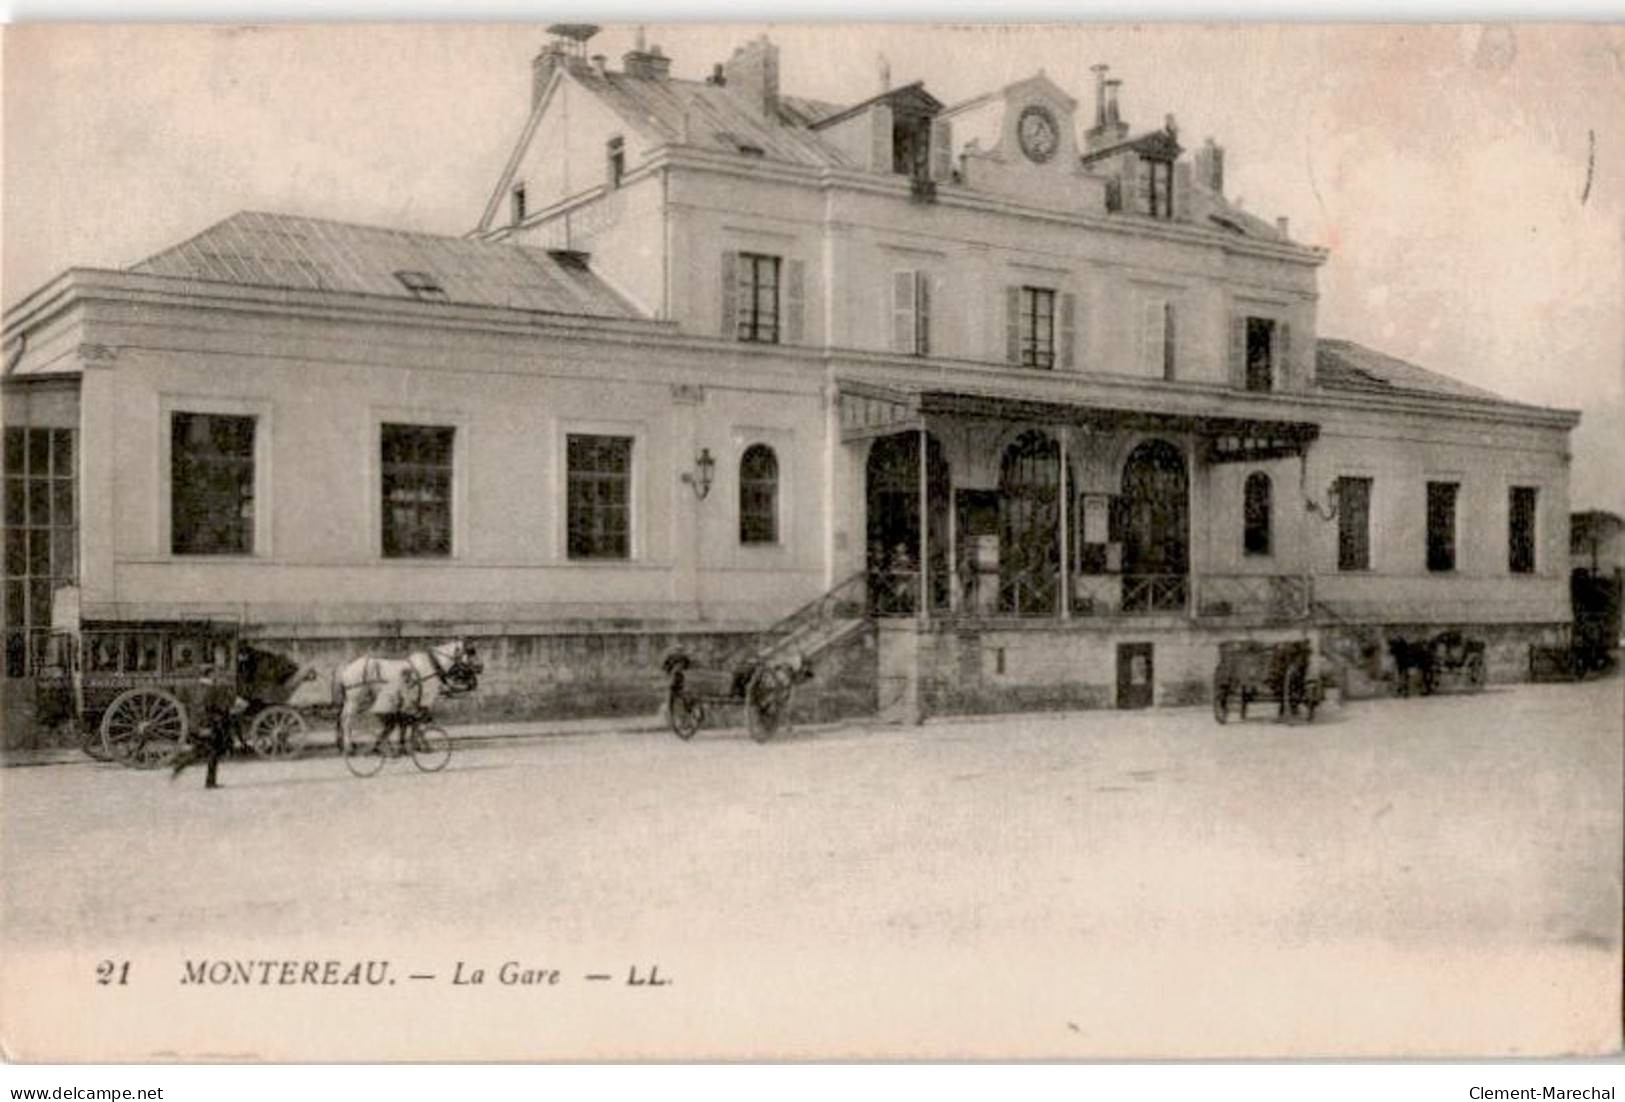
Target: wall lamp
(1329, 513)
(699, 479)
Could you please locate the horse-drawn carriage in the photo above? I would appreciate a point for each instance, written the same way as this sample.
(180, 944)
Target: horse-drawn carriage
(1449, 654)
(1250, 671)
(139, 690)
(764, 688)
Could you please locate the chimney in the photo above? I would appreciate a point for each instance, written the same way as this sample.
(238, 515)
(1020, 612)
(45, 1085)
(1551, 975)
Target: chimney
(1100, 72)
(1210, 167)
(1112, 117)
(753, 71)
(1281, 225)
(648, 64)
(885, 73)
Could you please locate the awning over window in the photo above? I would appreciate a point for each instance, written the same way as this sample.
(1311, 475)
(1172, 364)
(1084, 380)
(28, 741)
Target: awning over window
(869, 409)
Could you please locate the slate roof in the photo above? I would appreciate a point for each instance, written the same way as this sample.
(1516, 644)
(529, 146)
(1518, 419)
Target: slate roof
(313, 254)
(709, 115)
(1344, 365)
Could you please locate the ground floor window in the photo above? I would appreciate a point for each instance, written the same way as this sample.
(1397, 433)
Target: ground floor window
(1521, 530)
(1255, 539)
(1354, 524)
(1442, 526)
(41, 537)
(759, 495)
(416, 464)
(600, 497)
(212, 484)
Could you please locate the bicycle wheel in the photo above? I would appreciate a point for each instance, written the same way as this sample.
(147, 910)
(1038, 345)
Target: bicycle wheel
(685, 714)
(364, 756)
(430, 747)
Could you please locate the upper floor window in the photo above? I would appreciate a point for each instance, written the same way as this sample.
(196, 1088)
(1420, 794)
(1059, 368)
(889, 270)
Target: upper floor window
(911, 313)
(759, 495)
(518, 199)
(752, 299)
(1354, 524)
(615, 152)
(1260, 354)
(599, 506)
(1156, 184)
(1255, 538)
(415, 463)
(1442, 526)
(1521, 529)
(1036, 327)
(211, 484)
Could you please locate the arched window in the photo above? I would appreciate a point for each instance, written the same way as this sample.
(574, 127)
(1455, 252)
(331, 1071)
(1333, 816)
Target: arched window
(759, 495)
(1255, 539)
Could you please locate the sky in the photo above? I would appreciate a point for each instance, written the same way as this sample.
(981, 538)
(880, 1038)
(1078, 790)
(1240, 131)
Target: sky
(1469, 181)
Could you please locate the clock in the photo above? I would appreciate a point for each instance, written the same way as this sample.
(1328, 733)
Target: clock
(1039, 133)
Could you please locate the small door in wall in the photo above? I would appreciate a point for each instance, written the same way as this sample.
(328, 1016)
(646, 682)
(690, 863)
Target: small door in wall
(1134, 675)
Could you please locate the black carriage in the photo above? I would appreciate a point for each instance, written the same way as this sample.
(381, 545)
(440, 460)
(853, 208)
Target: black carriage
(1250, 671)
(139, 690)
(1448, 656)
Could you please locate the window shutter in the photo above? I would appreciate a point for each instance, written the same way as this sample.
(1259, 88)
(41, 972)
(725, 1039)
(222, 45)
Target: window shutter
(794, 310)
(1132, 200)
(922, 313)
(1286, 378)
(730, 300)
(902, 311)
(1012, 324)
(942, 150)
(1238, 351)
(881, 134)
(1069, 330)
(1182, 191)
(1170, 342)
(1151, 337)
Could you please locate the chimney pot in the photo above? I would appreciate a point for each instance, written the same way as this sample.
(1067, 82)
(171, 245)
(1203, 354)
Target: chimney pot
(1281, 225)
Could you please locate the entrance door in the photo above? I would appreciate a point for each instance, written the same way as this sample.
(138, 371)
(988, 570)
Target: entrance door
(1030, 536)
(1156, 529)
(892, 484)
(1135, 675)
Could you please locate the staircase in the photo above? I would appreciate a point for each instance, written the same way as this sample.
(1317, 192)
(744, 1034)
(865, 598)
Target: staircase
(815, 627)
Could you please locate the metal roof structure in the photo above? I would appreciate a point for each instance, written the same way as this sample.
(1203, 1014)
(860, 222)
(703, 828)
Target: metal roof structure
(1344, 365)
(313, 254)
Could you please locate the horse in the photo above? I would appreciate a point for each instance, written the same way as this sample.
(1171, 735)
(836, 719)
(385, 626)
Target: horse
(390, 686)
(1410, 656)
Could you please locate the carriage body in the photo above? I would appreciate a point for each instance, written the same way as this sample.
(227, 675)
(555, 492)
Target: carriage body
(141, 691)
(1450, 655)
(759, 684)
(1249, 671)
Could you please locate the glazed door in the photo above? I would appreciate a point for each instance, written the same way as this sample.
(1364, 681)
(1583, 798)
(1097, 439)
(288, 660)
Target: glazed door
(1135, 675)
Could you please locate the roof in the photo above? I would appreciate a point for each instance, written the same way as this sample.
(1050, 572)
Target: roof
(711, 116)
(283, 250)
(1344, 365)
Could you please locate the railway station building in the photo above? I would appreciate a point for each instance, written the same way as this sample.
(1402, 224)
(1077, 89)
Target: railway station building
(712, 350)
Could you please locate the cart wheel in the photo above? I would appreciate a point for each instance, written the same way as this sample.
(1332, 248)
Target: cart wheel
(767, 701)
(429, 746)
(277, 732)
(92, 743)
(1475, 671)
(684, 714)
(144, 727)
(1221, 703)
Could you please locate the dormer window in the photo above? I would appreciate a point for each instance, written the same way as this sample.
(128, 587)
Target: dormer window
(616, 153)
(911, 145)
(1156, 196)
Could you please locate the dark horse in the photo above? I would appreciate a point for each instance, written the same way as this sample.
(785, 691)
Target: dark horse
(1410, 656)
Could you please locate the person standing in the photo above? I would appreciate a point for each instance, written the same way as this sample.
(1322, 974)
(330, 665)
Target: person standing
(221, 708)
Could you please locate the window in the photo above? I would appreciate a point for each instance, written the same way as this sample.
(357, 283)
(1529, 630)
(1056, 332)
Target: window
(1521, 530)
(756, 297)
(600, 497)
(615, 153)
(518, 203)
(1255, 538)
(416, 466)
(211, 484)
(1156, 183)
(41, 537)
(1037, 327)
(1442, 526)
(759, 495)
(911, 313)
(1260, 354)
(1157, 339)
(1354, 524)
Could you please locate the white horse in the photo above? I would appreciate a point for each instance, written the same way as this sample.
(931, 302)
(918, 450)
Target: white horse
(390, 686)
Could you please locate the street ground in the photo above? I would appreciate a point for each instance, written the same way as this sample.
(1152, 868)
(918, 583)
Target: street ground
(1426, 876)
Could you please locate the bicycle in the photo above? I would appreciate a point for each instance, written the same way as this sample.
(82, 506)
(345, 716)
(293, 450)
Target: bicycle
(413, 735)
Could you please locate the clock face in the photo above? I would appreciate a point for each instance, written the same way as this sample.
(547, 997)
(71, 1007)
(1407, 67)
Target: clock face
(1039, 133)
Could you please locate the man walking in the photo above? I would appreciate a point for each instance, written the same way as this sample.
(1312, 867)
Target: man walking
(221, 709)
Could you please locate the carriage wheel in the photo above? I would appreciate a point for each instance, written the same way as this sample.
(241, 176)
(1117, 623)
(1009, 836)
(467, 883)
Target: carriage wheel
(92, 743)
(363, 754)
(429, 746)
(684, 714)
(767, 701)
(277, 732)
(144, 727)
(1475, 671)
(1221, 703)
(1293, 692)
